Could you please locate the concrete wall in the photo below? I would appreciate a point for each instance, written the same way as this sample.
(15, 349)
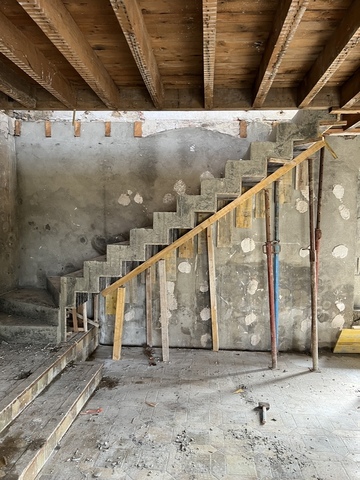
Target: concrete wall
(76, 194)
(8, 200)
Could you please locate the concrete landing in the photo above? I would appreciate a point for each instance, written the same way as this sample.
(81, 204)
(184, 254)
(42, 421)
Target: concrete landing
(195, 418)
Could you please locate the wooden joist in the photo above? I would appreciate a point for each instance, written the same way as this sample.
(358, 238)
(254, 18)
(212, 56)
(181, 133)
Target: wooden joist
(266, 182)
(17, 47)
(16, 88)
(59, 26)
(132, 23)
(350, 91)
(286, 23)
(209, 11)
(342, 42)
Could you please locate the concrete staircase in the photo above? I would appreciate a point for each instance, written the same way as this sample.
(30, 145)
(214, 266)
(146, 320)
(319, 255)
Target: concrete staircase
(237, 172)
(32, 425)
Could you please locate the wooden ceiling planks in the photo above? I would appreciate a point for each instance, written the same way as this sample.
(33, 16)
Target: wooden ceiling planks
(169, 54)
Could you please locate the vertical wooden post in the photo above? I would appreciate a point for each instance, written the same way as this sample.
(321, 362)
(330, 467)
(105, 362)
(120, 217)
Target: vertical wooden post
(149, 307)
(75, 319)
(164, 312)
(119, 322)
(96, 308)
(84, 314)
(212, 288)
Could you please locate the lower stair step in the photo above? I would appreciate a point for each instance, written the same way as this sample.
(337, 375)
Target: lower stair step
(18, 329)
(30, 440)
(20, 394)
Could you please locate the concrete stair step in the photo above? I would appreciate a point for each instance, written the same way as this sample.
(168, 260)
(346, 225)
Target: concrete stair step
(19, 329)
(31, 303)
(53, 287)
(22, 393)
(29, 441)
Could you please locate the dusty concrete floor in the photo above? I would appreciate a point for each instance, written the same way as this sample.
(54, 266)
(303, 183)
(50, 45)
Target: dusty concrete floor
(183, 420)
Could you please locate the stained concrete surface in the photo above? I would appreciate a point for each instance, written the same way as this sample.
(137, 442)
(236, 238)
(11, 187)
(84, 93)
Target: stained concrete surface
(195, 418)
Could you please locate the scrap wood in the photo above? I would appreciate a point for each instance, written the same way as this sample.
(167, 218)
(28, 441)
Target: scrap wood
(92, 411)
(151, 404)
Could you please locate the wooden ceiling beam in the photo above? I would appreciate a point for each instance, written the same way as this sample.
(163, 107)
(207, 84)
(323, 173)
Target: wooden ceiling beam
(286, 23)
(350, 91)
(15, 87)
(19, 49)
(132, 23)
(209, 49)
(344, 39)
(59, 26)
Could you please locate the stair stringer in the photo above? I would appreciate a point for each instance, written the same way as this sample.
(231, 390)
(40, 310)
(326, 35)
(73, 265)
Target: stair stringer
(236, 171)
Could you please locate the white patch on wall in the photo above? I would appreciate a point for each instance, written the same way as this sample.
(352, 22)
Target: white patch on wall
(204, 287)
(338, 191)
(304, 252)
(184, 267)
(124, 200)
(255, 339)
(340, 251)
(205, 314)
(138, 198)
(171, 300)
(252, 286)
(344, 212)
(204, 339)
(305, 193)
(247, 245)
(301, 206)
(206, 174)
(180, 187)
(338, 322)
(192, 148)
(305, 325)
(129, 192)
(129, 316)
(168, 198)
(251, 318)
(340, 305)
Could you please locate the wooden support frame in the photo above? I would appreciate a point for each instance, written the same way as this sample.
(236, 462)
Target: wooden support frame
(216, 216)
(212, 288)
(149, 307)
(119, 323)
(164, 319)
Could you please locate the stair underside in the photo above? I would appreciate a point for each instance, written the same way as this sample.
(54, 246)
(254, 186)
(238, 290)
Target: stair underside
(32, 437)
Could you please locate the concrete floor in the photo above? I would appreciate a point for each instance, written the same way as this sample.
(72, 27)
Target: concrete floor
(184, 420)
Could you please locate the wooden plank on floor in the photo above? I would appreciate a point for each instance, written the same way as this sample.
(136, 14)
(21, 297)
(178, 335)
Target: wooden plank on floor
(348, 341)
(260, 205)
(149, 307)
(243, 213)
(212, 289)
(164, 319)
(119, 322)
(186, 250)
(224, 226)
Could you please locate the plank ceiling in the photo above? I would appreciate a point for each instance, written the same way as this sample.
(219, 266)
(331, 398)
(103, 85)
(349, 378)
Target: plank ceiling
(179, 54)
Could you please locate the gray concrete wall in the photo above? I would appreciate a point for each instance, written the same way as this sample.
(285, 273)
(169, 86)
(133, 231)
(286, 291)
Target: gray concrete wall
(8, 200)
(77, 193)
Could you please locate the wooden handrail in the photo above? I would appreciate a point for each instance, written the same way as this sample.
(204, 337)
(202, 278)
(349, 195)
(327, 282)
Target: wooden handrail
(216, 216)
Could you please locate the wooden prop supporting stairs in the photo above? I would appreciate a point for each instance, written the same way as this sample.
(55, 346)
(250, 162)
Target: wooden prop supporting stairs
(237, 172)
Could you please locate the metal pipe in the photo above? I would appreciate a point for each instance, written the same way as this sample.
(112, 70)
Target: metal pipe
(270, 271)
(314, 326)
(318, 232)
(276, 258)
